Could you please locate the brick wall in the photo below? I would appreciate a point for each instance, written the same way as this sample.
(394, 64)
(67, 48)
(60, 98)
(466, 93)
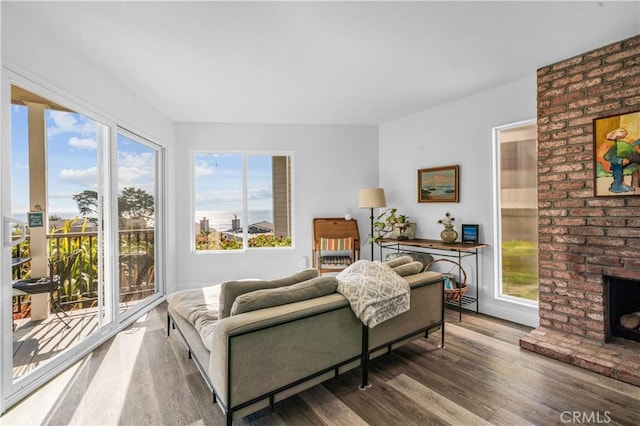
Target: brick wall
(582, 237)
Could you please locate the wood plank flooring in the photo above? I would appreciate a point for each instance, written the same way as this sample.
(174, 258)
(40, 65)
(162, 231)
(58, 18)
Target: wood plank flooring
(36, 342)
(481, 377)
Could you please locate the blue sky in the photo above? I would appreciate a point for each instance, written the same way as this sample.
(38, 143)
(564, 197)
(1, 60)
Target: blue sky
(72, 164)
(218, 183)
(72, 161)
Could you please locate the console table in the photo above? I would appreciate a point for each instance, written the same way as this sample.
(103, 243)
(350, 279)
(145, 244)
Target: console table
(440, 248)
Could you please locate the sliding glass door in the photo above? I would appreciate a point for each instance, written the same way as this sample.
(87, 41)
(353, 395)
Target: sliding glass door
(81, 204)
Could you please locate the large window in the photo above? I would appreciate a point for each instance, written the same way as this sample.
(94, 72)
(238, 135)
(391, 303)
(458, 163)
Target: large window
(241, 201)
(518, 221)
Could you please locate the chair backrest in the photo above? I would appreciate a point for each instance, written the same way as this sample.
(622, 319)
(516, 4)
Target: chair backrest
(335, 234)
(336, 244)
(335, 228)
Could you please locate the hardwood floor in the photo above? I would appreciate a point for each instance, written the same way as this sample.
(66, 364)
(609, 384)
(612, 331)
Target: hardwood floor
(141, 377)
(36, 342)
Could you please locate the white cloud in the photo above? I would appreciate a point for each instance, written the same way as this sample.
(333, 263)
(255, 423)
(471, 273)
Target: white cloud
(83, 143)
(128, 175)
(84, 177)
(203, 169)
(132, 166)
(65, 196)
(69, 122)
(16, 165)
(133, 159)
(260, 194)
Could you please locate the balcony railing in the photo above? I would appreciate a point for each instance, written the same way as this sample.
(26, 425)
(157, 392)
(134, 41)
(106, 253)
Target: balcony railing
(136, 268)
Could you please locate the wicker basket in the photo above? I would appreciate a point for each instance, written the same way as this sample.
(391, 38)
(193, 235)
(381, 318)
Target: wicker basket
(455, 294)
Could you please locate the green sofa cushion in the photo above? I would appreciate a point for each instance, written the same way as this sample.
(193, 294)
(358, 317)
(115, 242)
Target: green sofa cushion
(404, 265)
(397, 261)
(266, 298)
(408, 268)
(424, 258)
(232, 289)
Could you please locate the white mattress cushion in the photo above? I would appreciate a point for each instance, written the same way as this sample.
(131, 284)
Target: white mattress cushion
(200, 307)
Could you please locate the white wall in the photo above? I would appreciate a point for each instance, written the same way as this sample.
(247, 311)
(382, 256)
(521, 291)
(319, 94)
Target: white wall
(37, 55)
(460, 133)
(28, 49)
(331, 164)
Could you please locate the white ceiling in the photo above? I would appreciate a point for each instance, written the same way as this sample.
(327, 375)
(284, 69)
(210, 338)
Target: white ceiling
(325, 62)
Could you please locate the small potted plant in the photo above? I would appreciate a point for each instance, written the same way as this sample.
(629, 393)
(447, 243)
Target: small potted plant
(391, 224)
(403, 229)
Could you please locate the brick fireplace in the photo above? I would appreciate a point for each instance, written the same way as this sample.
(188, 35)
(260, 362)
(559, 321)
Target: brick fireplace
(583, 238)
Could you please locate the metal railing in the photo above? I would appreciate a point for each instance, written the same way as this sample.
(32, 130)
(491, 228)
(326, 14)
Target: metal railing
(136, 265)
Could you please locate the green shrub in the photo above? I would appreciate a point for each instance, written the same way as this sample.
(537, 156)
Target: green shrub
(520, 269)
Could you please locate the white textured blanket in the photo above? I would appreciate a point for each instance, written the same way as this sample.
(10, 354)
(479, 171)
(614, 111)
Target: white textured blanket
(375, 292)
(200, 307)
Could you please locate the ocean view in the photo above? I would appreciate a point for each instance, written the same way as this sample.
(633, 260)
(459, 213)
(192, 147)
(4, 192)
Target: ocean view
(221, 220)
(218, 220)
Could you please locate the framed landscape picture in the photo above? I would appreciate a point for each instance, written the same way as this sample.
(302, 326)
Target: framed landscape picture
(616, 158)
(438, 185)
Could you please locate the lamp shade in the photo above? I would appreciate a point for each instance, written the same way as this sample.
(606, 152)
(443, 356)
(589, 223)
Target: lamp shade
(371, 198)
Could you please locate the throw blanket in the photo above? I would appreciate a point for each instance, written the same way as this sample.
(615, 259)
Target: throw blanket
(200, 307)
(375, 292)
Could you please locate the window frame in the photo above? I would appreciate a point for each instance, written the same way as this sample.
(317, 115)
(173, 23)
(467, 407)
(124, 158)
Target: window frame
(517, 303)
(159, 218)
(245, 154)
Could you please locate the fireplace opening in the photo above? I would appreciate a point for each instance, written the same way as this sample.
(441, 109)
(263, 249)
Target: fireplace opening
(622, 308)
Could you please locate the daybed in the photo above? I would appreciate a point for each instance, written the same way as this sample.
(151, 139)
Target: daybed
(251, 359)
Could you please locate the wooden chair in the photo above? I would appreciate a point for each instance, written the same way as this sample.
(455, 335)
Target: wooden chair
(336, 244)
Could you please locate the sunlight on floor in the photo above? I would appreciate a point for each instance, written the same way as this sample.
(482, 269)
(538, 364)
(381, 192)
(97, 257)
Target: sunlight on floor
(117, 354)
(121, 356)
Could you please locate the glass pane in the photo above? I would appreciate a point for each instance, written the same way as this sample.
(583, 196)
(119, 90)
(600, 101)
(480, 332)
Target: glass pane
(519, 212)
(269, 201)
(19, 161)
(20, 188)
(54, 182)
(218, 195)
(137, 201)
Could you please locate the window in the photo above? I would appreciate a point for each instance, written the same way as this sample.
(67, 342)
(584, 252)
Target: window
(518, 220)
(138, 164)
(241, 201)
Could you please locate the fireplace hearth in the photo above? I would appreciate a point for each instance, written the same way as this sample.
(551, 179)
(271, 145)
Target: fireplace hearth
(622, 298)
(602, 345)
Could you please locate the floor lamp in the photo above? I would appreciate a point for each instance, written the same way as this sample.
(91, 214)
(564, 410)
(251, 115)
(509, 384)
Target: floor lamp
(371, 198)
